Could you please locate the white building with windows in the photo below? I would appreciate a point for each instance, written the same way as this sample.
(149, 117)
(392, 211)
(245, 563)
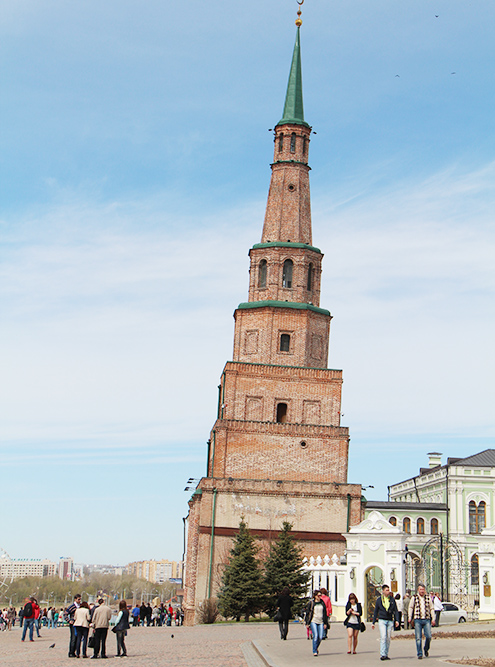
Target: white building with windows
(454, 502)
(437, 528)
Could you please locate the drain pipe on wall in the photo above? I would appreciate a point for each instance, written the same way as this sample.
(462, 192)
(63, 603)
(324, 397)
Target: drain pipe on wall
(211, 539)
(348, 511)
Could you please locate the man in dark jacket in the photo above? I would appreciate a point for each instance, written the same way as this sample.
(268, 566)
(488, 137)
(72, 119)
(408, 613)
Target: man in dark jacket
(71, 612)
(387, 614)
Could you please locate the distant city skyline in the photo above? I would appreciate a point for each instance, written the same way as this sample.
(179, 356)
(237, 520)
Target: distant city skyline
(137, 145)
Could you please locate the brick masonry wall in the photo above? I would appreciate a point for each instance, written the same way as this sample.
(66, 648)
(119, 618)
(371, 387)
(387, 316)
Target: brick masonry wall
(313, 509)
(274, 290)
(288, 209)
(312, 396)
(258, 331)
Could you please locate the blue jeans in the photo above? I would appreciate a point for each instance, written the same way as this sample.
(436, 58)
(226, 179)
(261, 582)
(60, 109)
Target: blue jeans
(317, 632)
(385, 628)
(422, 624)
(28, 623)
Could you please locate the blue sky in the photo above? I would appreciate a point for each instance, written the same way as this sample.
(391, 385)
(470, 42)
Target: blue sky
(134, 171)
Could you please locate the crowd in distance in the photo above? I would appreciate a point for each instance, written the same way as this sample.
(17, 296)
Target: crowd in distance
(89, 624)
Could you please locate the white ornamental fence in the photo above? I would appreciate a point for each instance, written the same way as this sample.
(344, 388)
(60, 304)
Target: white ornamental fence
(328, 573)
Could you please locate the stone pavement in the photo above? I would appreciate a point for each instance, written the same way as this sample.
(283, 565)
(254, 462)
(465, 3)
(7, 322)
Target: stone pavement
(221, 645)
(297, 651)
(238, 645)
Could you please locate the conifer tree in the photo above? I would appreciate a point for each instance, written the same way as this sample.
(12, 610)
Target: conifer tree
(283, 568)
(242, 590)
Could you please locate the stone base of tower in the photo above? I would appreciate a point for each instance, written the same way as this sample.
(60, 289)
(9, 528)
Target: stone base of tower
(320, 514)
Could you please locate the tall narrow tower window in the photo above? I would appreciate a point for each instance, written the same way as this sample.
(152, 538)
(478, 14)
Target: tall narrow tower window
(287, 273)
(309, 285)
(281, 413)
(293, 142)
(281, 142)
(305, 145)
(285, 343)
(262, 273)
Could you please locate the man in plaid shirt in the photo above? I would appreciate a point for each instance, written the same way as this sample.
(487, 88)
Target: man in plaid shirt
(421, 614)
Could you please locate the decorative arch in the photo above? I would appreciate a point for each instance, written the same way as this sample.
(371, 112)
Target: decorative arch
(287, 273)
(262, 271)
(293, 142)
(373, 581)
(477, 516)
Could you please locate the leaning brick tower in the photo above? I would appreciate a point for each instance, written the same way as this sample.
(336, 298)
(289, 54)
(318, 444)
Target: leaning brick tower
(277, 450)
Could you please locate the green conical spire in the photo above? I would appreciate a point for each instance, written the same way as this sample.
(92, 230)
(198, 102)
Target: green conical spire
(294, 109)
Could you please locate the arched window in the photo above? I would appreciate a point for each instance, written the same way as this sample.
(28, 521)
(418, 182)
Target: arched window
(305, 145)
(475, 570)
(280, 142)
(309, 285)
(434, 526)
(406, 524)
(293, 142)
(262, 273)
(281, 413)
(476, 517)
(287, 273)
(284, 343)
(420, 526)
(393, 521)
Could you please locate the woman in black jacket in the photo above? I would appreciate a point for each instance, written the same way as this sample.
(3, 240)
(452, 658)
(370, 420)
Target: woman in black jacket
(121, 627)
(353, 611)
(317, 619)
(284, 605)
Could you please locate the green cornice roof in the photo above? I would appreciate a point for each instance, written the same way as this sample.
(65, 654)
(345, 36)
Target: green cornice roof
(293, 108)
(286, 244)
(295, 305)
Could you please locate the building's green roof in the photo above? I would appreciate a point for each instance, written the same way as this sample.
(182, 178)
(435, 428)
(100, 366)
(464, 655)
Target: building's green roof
(293, 108)
(282, 304)
(286, 244)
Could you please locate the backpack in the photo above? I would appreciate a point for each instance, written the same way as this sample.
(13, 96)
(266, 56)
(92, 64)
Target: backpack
(28, 610)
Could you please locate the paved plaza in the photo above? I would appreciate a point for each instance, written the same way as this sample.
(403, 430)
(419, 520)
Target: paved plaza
(239, 645)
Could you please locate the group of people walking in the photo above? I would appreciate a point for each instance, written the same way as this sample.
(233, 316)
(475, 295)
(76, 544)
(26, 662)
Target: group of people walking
(421, 612)
(157, 615)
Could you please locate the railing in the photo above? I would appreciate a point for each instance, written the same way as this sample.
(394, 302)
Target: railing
(328, 573)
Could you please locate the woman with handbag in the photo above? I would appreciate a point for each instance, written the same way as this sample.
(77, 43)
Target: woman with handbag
(354, 611)
(317, 619)
(120, 629)
(284, 606)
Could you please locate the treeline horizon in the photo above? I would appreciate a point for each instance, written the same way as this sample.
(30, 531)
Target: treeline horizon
(53, 591)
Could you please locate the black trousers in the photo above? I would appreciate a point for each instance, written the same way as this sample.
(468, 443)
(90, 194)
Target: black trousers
(81, 638)
(100, 641)
(284, 628)
(72, 640)
(121, 649)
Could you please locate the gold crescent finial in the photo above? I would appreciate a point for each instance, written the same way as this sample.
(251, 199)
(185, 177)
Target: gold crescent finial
(299, 12)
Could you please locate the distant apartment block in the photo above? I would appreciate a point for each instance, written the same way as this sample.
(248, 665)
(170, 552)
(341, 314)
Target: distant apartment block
(28, 567)
(17, 568)
(66, 568)
(157, 571)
